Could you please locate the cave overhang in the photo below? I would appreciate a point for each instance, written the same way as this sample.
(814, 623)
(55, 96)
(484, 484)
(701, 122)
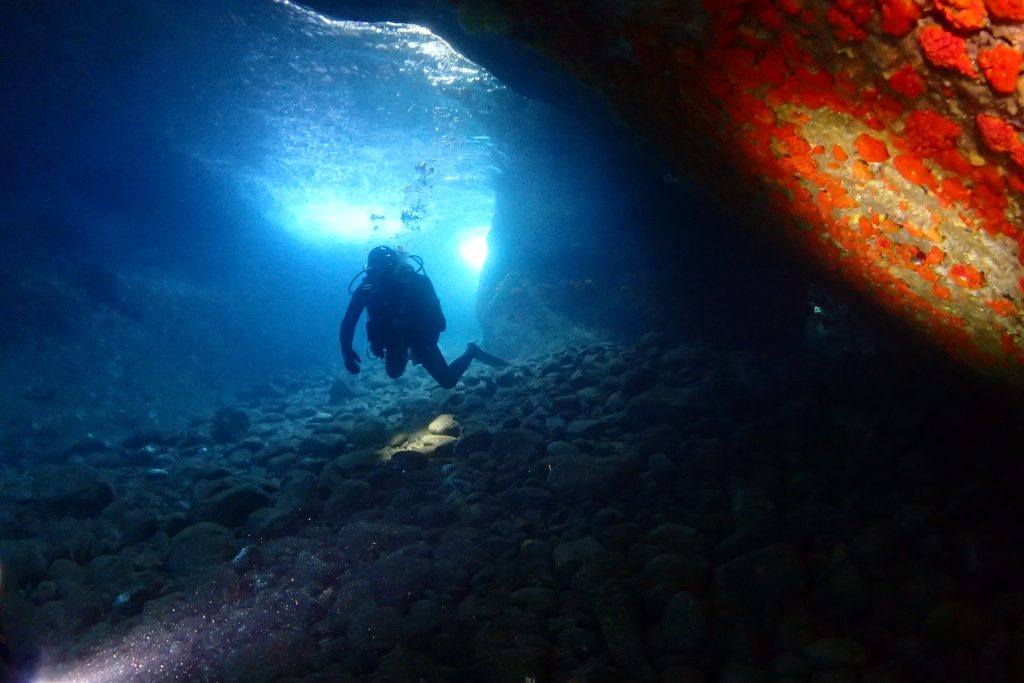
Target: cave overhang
(881, 138)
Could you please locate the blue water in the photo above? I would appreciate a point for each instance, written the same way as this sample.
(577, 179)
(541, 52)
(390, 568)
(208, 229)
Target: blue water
(212, 175)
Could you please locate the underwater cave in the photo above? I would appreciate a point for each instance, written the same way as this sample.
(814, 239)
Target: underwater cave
(731, 309)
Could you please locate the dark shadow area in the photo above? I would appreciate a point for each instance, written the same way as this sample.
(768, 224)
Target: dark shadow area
(595, 234)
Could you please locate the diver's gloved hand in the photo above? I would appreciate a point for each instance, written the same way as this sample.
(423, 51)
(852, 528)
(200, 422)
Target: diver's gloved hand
(352, 361)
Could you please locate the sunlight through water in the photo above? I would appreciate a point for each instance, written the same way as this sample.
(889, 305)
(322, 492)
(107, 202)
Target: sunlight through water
(373, 132)
(474, 249)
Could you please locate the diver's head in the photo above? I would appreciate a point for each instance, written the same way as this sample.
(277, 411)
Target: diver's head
(382, 259)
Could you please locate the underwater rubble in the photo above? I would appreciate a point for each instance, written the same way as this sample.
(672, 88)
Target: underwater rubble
(659, 512)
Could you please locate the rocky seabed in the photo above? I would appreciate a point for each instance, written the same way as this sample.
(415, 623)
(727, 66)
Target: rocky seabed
(602, 514)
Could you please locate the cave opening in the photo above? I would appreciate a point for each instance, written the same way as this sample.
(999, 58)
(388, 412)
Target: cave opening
(192, 188)
(201, 183)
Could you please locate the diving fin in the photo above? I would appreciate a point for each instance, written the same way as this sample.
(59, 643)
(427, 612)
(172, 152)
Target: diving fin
(486, 358)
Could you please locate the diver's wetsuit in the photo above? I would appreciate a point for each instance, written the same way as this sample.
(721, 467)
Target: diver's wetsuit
(404, 318)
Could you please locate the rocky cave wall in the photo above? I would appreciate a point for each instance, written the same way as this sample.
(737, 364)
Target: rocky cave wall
(595, 236)
(882, 136)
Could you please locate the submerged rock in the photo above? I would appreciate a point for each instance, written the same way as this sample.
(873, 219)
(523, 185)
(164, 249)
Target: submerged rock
(445, 424)
(831, 653)
(230, 425)
(200, 545)
(230, 507)
(142, 438)
(683, 622)
(340, 392)
(73, 487)
(619, 624)
(369, 434)
(512, 665)
(586, 564)
(581, 477)
(23, 562)
(517, 446)
(402, 664)
(672, 406)
(511, 553)
(764, 579)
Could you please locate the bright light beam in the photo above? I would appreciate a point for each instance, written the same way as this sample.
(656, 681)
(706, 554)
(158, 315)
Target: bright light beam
(337, 221)
(474, 250)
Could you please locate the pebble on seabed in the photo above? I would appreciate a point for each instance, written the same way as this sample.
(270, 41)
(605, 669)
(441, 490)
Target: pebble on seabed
(598, 514)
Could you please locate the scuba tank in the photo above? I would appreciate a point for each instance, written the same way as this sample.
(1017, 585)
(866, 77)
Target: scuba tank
(401, 256)
(390, 296)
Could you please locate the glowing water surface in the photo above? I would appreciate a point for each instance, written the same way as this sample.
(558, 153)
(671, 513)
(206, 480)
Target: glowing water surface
(372, 132)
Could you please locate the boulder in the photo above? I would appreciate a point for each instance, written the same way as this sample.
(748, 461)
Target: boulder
(663, 405)
(364, 541)
(24, 562)
(753, 511)
(445, 424)
(399, 577)
(764, 579)
(671, 536)
(230, 425)
(72, 488)
(407, 665)
(619, 624)
(517, 445)
(230, 507)
(688, 571)
(369, 433)
(575, 478)
(832, 653)
(344, 467)
(340, 392)
(512, 665)
(198, 546)
(683, 623)
(586, 564)
(347, 497)
(586, 429)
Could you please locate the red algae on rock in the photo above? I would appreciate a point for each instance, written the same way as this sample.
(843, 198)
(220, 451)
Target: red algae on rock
(927, 133)
(914, 170)
(908, 82)
(966, 276)
(1002, 306)
(934, 257)
(946, 50)
(833, 132)
(847, 18)
(1011, 10)
(963, 15)
(870, 148)
(1001, 66)
(997, 134)
(899, 17)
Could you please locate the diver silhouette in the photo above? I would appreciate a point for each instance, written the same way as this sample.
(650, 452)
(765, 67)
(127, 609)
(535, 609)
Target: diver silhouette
(404, 320)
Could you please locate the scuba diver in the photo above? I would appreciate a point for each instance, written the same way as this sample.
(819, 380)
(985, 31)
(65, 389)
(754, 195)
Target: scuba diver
(405, 320)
